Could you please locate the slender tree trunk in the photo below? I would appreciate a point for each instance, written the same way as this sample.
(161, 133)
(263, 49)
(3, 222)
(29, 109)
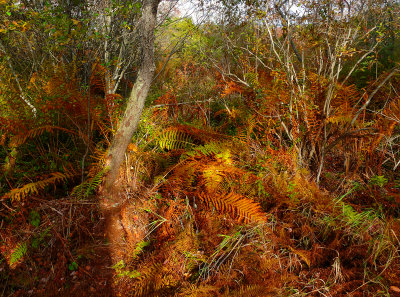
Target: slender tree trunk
(138, 95)
(111, 201)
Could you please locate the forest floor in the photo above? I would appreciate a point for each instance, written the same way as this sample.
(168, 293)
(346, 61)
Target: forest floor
(303, 242)
(70, 255)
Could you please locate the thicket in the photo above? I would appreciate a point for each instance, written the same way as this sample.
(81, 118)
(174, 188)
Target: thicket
(266, 161)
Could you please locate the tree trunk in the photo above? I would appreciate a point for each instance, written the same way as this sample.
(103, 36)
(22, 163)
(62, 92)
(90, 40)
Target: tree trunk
(111, 199)
(138, 95)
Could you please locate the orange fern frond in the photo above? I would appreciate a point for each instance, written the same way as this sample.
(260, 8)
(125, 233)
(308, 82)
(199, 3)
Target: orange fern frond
(345, 98)
(152, 281)
(238, 206)
(220, 176)
(314, 122)
(231, 88)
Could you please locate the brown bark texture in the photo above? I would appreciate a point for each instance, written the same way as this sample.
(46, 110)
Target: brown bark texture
(138, 94)
(111, 199)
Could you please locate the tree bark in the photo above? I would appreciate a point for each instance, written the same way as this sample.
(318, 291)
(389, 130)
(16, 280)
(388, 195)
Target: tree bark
(138, 94)
(111, 199)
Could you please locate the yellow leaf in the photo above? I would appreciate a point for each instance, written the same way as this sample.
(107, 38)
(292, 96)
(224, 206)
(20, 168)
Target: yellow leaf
(304, 255)
(132, 147)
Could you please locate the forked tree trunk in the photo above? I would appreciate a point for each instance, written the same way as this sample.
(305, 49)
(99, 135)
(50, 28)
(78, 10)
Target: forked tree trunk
(111, 198)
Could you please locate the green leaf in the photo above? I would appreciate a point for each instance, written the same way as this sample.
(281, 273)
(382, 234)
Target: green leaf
(119, 265)
(73, 266)
(35, 243)
(34, 218)
(378, 180)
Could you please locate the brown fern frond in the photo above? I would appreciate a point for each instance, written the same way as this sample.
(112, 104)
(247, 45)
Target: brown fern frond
(238, 206)
(252, 291)
(344, 100)
(153, 281)
(199, 136)
(251, 125)
(183, 177)
(35, 187)
(345, 97)
(99, 159)
(210, 169)
(97, 78)
(392, 112)
(202, 290)
(314, 122)
(145, 281)
(12, 126)
(22, 138)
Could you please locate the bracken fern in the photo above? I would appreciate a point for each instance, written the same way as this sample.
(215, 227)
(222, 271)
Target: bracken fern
(35, 187)
(18, 253)
(88, 187)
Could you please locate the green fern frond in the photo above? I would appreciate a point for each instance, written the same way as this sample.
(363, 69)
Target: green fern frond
(210, 149)
(139, 248)
(122, 271)
(238, 206)
(183, 136)
(174, 139)
(251, 78)
(88, 187)
(35, 187)
(356, 219)
(18, 253)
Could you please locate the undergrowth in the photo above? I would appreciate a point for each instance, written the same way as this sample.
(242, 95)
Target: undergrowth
(220, 197)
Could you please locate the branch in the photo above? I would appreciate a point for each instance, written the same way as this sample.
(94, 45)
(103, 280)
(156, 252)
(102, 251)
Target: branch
(372, 95)
(293, 46)
(359, 61)
(171, 53)
(22, 95)
(183, 103)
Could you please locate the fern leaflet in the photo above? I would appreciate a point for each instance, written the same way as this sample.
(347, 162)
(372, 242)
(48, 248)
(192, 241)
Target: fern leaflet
(88, 187)
(18, 253)
(35, 187)
(175, 139)
(239, 206)
(22, 138)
